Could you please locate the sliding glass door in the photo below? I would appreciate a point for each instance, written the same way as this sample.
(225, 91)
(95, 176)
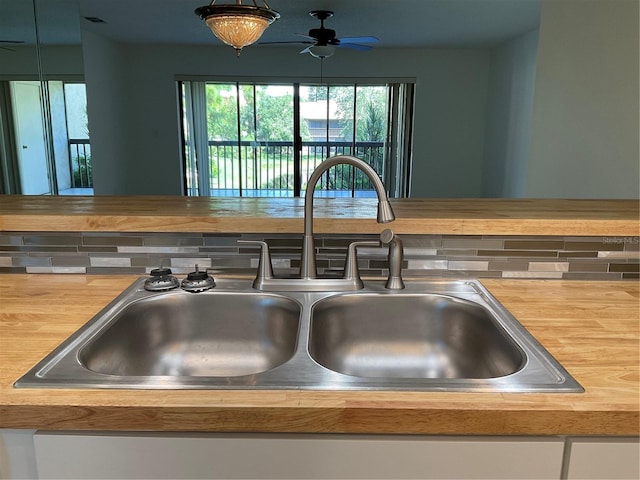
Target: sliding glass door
(44, 138)
(251, 139)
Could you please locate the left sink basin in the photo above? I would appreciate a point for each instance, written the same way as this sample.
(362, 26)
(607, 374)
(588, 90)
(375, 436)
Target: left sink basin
(221, 335)
(227, 337)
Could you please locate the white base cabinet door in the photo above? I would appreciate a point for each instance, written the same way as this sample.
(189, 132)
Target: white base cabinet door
(603, 458)
(17, 454)
(295, 456)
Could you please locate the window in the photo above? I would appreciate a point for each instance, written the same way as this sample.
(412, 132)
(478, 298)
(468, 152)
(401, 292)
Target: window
(251, 139)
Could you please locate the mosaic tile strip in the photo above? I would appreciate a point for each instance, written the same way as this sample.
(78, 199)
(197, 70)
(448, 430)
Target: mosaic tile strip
(584, 258)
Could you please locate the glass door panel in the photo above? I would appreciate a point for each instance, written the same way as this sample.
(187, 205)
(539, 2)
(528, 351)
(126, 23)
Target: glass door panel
(30, 138)
(370, 133)
(81, 172)
(340, 139)
(314, 115)
(272, 145)
(224, 155)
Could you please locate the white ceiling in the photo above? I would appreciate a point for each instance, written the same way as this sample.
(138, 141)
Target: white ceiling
(397, 23)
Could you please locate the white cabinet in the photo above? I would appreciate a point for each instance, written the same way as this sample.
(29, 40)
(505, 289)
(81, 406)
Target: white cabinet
(603, 458)
(295, 456)
(24, 454)
(17, 455)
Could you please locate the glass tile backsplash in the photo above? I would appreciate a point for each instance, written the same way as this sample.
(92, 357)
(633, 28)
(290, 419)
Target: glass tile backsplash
(579, 258)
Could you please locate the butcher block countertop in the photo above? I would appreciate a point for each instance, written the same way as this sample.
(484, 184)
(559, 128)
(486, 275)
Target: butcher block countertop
(592, 328)
(332, 215)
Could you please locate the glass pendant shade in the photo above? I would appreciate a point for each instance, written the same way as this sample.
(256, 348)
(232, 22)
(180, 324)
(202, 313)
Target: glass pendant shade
(237, 25)
(322, 51)
(236, 31)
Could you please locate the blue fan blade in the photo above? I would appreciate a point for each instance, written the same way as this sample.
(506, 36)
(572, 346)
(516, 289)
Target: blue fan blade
(358, 40)
(354, 46)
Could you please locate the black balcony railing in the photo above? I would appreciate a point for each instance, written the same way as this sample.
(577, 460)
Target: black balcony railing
(80, 163)
(267, 168)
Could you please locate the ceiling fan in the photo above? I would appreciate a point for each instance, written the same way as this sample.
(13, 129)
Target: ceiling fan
(323, 41)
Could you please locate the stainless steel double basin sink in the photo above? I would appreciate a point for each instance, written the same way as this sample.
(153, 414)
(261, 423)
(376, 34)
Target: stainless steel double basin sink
(431, 336)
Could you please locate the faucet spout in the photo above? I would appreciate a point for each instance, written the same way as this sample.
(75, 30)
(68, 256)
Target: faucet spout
(385, 212)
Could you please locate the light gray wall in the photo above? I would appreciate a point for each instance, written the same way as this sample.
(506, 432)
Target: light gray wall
(108, 114)
(584, 138)
(509, 113)
(58, 62)
(450, 113)
(449, 119)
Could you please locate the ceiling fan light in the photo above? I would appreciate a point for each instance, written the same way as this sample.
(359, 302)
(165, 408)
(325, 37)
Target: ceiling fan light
(322, 51)
(237, 25)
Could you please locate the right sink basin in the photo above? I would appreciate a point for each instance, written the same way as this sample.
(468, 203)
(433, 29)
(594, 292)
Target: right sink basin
(440, 335)
(410, 336)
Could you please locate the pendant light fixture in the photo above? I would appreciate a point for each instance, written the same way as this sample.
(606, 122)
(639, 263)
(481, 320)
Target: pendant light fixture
(238, 25)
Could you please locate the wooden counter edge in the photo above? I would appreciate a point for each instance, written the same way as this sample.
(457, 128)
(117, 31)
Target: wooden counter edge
(556, 217)
(321, 420)
(442, 226)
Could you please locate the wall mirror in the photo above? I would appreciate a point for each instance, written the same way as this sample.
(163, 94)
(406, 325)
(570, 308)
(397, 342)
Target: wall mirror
(527, 98)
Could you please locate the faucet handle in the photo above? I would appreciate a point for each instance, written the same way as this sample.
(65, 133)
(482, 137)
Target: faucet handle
(265, 270)
(387, 236)
(351, 271)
